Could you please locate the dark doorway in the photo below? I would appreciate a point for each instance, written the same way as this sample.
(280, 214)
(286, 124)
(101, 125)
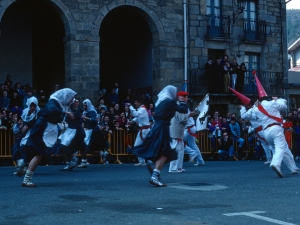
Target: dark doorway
(125, 50)
(215, 53)
(31, 44)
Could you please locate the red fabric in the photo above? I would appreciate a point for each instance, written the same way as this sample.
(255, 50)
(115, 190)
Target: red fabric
(141, 129)
(189, 131)
(261, 108)
(257, 129)
(288, 133)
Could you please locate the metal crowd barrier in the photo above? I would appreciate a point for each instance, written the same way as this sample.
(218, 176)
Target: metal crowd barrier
(6, 143)
(120, 140)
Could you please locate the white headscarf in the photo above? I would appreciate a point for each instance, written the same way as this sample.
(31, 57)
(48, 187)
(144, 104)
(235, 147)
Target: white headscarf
(169, 92)
(33, 115)
(63, 97)
(89, 104)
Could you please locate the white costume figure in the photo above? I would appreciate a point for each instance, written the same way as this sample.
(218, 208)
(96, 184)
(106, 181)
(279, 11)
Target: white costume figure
(191, 148)
(178, 123)
(141, 116)
(268, 114)
(256, 125)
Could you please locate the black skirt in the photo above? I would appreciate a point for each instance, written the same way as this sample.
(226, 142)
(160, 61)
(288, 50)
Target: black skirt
(156, 144)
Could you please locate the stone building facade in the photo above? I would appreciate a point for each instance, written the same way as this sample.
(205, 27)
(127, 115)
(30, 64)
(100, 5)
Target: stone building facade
(90, 25)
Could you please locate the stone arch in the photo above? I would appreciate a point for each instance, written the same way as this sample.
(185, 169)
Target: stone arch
(61, 9)
(147, 14)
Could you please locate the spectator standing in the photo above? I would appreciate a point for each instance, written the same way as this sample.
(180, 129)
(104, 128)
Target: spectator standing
(113, 97)
(234, 71)
(29, 95)
(42, 100)
(16, 103)
(209, 75)
(217, 76)
(4, 101)
(288, 128)
(8, 79)
(3, 121)
(226, 81)
(241, 77)
(21, 93)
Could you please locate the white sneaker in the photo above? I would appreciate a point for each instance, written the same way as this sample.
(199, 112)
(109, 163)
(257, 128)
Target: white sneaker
(294, 172)
(267, 162)
(200, 163)
(277, 170)
(140, 164)
(297, 158)
(156, 182)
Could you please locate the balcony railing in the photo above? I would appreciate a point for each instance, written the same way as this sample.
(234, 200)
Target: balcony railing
(254, 30)
(218, 26)
(273, 82)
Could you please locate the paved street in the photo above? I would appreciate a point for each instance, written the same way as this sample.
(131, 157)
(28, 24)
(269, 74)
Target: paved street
(121, 194)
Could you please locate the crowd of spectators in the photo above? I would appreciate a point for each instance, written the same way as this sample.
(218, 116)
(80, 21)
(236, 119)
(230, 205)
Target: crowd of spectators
(112, 104)
(222, 73)
(227, 134)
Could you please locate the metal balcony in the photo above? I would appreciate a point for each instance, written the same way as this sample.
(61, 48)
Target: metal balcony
(254, 30)
(218, 26)
(273, 83)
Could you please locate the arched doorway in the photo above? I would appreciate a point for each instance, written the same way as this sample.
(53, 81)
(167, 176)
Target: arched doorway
(31, 43)
(126, 50)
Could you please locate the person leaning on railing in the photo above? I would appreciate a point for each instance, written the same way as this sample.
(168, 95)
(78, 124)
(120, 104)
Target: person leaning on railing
(3, 122)
(226, 150)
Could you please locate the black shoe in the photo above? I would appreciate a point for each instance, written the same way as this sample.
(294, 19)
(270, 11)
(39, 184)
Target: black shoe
(230, 158)
(67, 168)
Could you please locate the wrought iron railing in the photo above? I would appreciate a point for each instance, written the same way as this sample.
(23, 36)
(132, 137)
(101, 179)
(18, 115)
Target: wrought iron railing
(218, 26)
(273, 82)
(254, 30)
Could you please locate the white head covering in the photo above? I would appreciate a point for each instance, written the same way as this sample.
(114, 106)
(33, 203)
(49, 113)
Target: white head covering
(169, 92)
(63, 97)
(33, 115)
(89, 104)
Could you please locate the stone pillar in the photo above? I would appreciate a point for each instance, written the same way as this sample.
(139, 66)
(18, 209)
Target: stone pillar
(82, 65)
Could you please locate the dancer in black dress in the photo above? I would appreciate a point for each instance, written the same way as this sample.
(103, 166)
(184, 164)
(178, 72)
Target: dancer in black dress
(29, 117)
(44, 132)
(72, 139)
(156, 147)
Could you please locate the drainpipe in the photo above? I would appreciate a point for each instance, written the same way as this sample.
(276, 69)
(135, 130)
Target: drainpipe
(185, 44)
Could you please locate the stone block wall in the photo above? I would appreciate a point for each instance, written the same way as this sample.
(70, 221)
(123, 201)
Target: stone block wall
(82, 20)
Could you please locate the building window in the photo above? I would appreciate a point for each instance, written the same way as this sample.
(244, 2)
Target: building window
(213, 7)
(251, 61)
(254, 29)
(217, 25)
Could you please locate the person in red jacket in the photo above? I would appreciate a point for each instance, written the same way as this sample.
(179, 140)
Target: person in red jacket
(288, 127)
